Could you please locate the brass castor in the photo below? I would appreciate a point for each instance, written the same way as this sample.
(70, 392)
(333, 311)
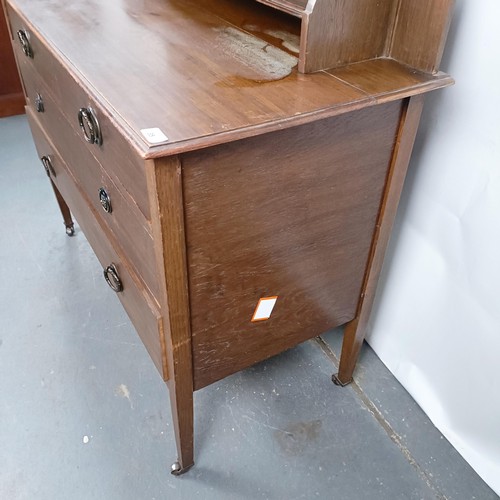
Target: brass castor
(176, 469)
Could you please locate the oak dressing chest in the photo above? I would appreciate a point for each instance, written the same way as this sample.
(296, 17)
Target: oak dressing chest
(236, 165)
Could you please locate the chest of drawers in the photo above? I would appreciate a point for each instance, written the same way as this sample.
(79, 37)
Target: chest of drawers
(237, 182)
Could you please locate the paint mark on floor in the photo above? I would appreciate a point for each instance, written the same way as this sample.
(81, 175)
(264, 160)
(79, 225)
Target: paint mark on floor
(123, 392)
(295, 438)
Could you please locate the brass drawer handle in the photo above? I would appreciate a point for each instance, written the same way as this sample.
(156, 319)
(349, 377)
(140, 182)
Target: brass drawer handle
(39, 106)
(112, 278)
(47, 165)
(25, 43)
(89, 124)
(105, 200)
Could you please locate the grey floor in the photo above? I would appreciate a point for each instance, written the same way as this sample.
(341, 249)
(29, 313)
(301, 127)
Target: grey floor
(84, 414)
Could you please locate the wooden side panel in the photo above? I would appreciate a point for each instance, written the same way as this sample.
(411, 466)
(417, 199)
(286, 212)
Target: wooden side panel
(289, 214)
(339, 32)
(420, 33)
(11, 92)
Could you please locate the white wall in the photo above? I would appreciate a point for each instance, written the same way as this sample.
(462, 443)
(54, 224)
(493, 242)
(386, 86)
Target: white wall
(436, 321)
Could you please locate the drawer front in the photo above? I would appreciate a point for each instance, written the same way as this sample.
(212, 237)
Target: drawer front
(131, 228)
(115, 152)
(136, 302)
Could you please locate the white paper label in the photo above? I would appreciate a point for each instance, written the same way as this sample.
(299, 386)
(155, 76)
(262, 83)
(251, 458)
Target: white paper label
(264, 308)
(154, 135)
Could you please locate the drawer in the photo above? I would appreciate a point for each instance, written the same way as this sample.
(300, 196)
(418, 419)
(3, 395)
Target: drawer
(116, 152)
(141, 311)
(130, 227)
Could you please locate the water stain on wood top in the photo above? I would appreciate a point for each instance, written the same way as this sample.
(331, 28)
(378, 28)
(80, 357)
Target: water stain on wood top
(256, 59)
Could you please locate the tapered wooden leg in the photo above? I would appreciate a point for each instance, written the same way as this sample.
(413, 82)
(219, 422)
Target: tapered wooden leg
(181, 402)
(165, 191)
(355, 331)
(351, 345)
(68, 221)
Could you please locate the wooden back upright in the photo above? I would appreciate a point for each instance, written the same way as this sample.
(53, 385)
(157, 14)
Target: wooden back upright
(339, 32)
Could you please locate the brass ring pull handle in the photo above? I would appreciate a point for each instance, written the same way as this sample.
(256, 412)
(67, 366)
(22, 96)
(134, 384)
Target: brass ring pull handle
(25, 43)
(112, 278)
(105, 200)
(47, 165)
(40, 108)
(87, 120)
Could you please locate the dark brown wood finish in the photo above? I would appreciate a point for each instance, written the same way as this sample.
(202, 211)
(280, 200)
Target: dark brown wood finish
(344, 31)
(420, 33)
(294, 7)
(355, 330)
(11, 92)
(272, 182)
(208, 89)
(386, 79)
(125, 164)
(280, 30)
(217, 90)
(269, 216)
(165, 185)
(63, 207)
(339, 32)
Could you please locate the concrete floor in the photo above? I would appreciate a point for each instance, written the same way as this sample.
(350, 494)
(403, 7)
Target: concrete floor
(72, 370)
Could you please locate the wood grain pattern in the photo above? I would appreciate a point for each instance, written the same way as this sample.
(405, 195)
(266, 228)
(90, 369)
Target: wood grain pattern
(288, 214)
(11, 104)
(165, 187)
(280, 30)
(214, 84)
(355, 331)
(212, 90)
(385, 79)
(272, 182)
(125, 164)
(339, 32)
(63, 207)
(294, 7)
(420, 33)
(136, 303)
(11, 92)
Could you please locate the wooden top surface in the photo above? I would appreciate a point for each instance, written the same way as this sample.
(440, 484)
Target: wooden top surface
(206, 71)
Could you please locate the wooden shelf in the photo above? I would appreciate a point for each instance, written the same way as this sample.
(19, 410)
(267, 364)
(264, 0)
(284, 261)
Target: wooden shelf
(335, 33)
(294, 7)
(385, 79)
